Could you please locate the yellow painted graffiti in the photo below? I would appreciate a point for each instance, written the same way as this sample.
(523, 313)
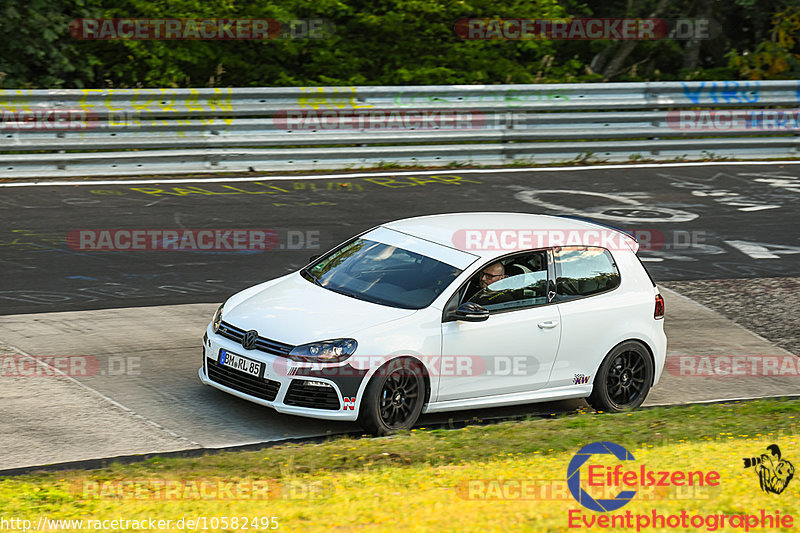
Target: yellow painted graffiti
(260, 187)
(26, 239)
(15, 99)
(193, 102)
(169, 101)
(130, 107)
(144, 100)
(330, 98)
(133, 110)
(83, 104)
(140, 108)
(219, 102)
(414, 181)
(268, 188)
(229, 190)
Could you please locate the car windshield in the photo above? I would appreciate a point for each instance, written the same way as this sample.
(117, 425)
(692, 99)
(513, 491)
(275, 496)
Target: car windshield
(382, 274)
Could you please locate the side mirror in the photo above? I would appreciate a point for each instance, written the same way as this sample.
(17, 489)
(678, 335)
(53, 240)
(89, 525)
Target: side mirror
(314, 258)
(469, 312)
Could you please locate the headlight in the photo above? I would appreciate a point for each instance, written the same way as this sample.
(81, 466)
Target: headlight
(217, 319)
(331, 351)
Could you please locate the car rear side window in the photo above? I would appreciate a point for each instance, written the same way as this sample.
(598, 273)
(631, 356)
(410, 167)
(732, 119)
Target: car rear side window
(584, 271)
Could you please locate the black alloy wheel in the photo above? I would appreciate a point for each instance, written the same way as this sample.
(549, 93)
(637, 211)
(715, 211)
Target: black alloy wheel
(394, 398)
(623, 379)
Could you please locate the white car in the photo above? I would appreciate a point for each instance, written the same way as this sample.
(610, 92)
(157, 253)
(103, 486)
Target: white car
(443, 313)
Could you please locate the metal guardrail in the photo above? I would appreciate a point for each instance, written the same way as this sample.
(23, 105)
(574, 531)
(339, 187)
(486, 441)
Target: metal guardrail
(159, 131)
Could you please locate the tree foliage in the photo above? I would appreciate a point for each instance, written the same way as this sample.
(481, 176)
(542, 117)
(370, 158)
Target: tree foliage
(389, 42)
(776, 57)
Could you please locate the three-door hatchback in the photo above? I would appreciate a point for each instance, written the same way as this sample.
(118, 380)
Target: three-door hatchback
(442, 313)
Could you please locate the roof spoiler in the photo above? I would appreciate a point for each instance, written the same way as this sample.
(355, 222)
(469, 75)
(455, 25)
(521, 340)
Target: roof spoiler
(632, 235)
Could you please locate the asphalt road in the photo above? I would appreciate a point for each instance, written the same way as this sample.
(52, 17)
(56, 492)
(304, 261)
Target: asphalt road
(143, 396)
(697, 222)
(139, 392)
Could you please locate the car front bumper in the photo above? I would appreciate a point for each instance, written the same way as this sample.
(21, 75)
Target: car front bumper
(329, 392)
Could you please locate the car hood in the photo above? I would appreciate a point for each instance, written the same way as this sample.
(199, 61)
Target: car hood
(295, 311)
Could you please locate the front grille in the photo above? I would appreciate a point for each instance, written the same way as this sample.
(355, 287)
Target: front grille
(302, 394)
(266, 389)
(263, 344)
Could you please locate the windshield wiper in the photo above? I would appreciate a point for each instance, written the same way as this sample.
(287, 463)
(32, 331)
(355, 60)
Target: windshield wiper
(312, 277)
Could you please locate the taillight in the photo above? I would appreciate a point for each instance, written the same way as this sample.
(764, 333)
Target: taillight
(659, 312)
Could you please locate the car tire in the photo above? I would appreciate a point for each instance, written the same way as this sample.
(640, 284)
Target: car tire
(394, 398)
(623, 379)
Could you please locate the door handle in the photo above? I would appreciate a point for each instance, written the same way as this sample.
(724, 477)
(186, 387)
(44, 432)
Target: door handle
(550, 324)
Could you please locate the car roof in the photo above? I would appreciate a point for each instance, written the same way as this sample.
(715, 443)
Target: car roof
(442, 229)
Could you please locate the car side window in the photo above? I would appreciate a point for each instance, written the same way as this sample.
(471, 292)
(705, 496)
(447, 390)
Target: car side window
(524, 284)
(584, 271)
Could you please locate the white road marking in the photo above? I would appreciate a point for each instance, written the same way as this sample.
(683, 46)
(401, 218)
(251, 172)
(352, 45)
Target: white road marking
(75, 182)
(759, 207)
(533, 197)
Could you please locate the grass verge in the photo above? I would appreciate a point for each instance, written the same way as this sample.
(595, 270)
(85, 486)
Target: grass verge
(498, 477)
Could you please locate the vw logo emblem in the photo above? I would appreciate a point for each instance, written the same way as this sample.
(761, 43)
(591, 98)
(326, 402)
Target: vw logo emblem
(249, 339)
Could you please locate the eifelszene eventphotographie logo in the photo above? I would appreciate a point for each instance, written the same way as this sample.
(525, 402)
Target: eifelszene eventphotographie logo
(599, 485)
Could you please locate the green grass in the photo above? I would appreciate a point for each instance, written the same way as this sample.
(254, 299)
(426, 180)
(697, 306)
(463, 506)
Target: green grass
(655, 426)
(415, 480)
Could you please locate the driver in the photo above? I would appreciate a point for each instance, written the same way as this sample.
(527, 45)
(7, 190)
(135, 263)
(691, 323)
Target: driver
(490, 274)
(484, 278)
